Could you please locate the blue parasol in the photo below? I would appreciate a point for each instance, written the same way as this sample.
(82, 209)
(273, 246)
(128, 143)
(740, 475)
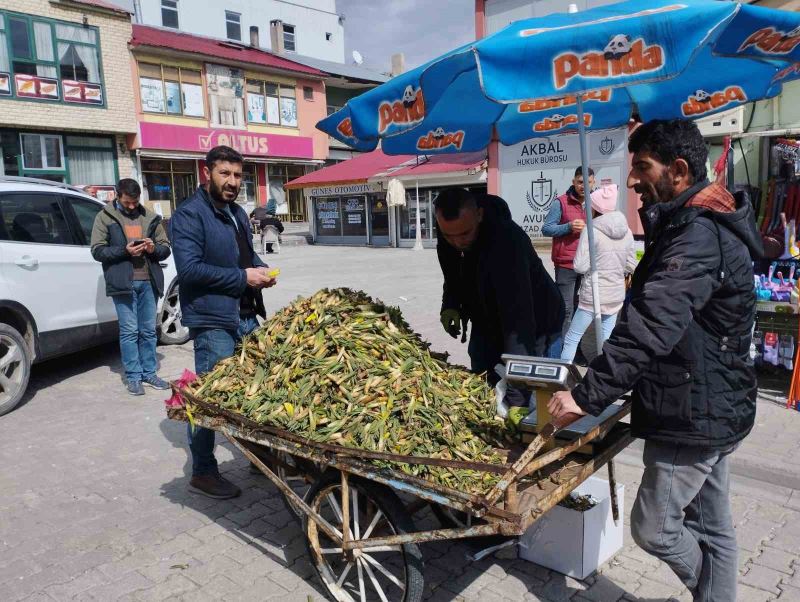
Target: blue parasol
(567, 73)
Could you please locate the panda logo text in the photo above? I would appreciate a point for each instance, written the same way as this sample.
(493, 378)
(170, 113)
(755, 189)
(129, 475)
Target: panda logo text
(345, 127)
(771, 41)
(621, 56)
(532, 106)
(439, 139)
(704, 102)
(407, 111)
(559, 122)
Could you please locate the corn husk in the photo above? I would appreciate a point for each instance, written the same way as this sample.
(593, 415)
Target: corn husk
(341, 368)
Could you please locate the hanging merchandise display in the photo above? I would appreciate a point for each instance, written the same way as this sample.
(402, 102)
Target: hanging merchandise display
(776, 277)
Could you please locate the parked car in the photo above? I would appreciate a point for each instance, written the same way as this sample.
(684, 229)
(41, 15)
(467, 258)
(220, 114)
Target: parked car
(52, 292)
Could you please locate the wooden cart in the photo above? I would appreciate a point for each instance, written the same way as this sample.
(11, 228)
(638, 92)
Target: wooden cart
(360, 534)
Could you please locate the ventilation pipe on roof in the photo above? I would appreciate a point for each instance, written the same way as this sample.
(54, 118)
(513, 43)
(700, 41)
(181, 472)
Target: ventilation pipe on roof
(137, 12)
(254, 36)
(398, 64)
(276, 35)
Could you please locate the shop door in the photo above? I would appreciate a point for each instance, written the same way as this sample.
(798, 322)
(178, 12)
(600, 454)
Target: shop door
(379, 222)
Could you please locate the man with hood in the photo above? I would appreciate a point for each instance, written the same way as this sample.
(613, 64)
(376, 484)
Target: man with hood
(494, 280)
(683, 345)
(130, 241)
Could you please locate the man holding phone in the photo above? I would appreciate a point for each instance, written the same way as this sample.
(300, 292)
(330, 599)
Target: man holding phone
(130, 241)
(221, 282)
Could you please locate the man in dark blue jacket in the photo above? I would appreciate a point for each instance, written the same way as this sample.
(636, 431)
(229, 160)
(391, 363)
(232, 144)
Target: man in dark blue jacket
(221, 279)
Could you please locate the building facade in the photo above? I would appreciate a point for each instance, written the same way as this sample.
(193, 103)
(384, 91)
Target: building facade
(66, 97)
(194, 93)
(307, 27)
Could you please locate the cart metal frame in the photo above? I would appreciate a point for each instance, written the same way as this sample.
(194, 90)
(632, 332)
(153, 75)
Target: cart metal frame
(508, 509)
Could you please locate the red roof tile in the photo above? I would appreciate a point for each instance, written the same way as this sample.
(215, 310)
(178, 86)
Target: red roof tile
(376, 164)
(211, 48)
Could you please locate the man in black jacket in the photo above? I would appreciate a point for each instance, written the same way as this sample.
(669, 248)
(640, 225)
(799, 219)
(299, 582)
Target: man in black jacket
(494, 279)
(683, 346)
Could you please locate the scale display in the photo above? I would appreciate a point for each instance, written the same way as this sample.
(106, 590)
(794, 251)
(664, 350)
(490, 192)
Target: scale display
(546, 371)
(520, 369)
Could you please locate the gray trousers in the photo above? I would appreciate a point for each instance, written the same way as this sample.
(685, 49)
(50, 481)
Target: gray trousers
(682, 516)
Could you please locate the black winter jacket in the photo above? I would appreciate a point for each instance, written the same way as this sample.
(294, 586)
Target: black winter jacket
(501, 286)
(683, 342)
(108, 247)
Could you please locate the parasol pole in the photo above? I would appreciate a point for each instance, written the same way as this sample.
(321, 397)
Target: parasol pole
(598, 320)
(418, 243)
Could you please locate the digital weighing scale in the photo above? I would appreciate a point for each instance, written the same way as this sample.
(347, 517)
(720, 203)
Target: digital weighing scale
(546, 376)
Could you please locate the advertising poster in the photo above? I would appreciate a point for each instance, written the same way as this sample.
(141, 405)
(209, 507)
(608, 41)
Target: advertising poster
(273, 110)
(255, 109)
(152, 94)
(5, 84)
(193, 100)
(83, 92)
(289, 112)
(535, 173)
(329, 221)
(36, 87)
(173, 97)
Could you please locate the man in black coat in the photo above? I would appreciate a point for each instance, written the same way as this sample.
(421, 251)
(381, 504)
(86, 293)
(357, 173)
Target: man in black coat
(683, 346)
(494, 280)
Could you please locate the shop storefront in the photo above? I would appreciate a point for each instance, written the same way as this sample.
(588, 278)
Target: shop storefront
(354, 214)
(78, 159)
(348, 201)
(171, 159)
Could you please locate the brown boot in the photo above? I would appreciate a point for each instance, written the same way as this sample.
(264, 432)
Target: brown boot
(213, 485)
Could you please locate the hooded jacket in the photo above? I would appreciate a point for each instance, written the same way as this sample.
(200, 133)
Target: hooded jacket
(615, 257)
(683, 342)
(500, 285)
(108, 247)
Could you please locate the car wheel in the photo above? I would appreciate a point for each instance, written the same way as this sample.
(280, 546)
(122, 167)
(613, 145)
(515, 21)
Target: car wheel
(171, 330)
(15, 368)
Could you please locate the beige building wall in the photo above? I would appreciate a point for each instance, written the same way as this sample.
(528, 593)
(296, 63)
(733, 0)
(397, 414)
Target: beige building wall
(120, 112)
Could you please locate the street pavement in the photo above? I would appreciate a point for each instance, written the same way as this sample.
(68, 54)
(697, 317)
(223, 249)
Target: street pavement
(94, 506)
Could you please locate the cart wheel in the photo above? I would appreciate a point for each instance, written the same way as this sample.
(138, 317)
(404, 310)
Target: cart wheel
(389, 573)
(451, 518)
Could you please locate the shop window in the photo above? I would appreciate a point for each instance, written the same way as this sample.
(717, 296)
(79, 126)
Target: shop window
(42, 151)
(51, 60)
(171, 90)
(233, 25)
(169, 13)
(226, 95)
(271, 103)
(328, 216)
(91, 160)
(408, 215)
(248, 193)
(289, 39)
(172, 181)
(290, 204)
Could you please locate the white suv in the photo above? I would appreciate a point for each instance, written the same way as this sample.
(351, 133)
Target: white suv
(52, 292)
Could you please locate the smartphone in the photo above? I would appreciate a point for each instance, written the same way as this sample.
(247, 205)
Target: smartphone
(139, 241)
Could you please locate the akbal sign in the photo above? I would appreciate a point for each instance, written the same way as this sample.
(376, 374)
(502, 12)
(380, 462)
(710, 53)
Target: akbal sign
(535, 173)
